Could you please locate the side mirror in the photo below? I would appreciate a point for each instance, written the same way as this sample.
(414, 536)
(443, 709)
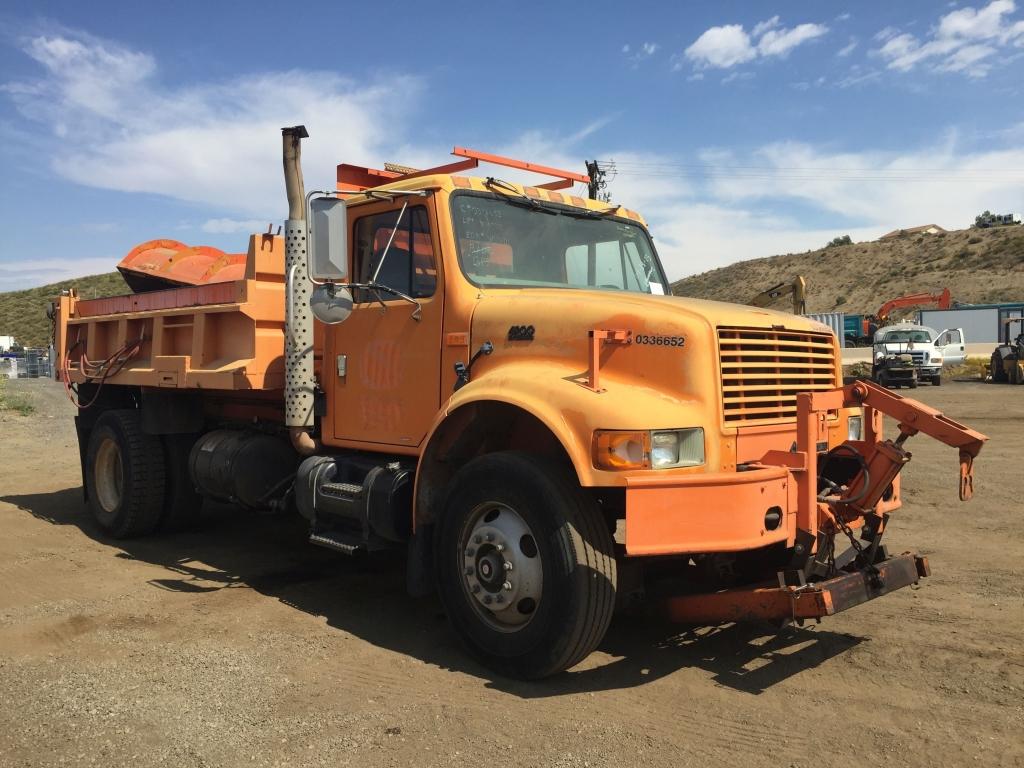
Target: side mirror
(328, 239)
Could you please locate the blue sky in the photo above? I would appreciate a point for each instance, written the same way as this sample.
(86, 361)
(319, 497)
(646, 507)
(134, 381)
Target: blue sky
(738, 129)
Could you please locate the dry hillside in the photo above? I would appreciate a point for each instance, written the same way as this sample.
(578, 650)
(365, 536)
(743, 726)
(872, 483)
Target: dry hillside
(23, 313)
(978, 266)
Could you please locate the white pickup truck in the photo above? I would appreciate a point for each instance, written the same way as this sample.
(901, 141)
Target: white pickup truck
(928, 349)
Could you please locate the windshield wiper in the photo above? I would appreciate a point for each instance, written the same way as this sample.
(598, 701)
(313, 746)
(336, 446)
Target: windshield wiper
(516, 197)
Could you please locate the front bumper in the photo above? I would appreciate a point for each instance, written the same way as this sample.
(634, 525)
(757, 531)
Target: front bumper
(709, 512)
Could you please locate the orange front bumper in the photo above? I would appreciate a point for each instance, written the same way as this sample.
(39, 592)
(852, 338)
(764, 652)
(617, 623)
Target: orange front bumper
(719, 512)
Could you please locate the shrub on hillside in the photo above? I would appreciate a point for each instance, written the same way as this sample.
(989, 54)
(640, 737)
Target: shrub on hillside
(837, 241)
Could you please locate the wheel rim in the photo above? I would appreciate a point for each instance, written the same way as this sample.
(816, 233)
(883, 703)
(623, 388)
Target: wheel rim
(109, 475)
(501, 567)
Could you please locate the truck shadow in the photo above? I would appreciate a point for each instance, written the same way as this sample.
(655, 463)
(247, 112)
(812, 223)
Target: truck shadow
(366, 597)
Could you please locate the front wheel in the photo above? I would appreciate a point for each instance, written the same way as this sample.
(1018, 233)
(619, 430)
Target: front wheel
(525, 565)
(937, 381)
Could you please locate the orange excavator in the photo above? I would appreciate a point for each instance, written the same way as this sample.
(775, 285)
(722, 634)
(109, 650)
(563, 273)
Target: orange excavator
(868, 324)
(942, 300)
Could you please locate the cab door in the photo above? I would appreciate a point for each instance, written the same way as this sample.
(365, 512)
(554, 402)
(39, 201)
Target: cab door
(951, 344)
(382, 372)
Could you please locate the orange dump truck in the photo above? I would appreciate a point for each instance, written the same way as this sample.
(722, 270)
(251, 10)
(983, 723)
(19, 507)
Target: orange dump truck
(495, 378)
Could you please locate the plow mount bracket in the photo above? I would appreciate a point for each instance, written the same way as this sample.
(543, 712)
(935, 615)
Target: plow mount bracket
(791, 603)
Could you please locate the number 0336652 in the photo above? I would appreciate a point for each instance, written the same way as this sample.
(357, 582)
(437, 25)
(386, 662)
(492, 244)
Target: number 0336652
(659, 341)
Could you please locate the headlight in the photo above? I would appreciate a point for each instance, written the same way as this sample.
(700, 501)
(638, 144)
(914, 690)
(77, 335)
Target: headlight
(677, 448)
(661, 449)
(855, 428)
(936, 357)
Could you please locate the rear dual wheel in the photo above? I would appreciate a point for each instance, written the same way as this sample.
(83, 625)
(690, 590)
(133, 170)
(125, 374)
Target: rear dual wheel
(136, 482)
(525, 565)
(124, 475)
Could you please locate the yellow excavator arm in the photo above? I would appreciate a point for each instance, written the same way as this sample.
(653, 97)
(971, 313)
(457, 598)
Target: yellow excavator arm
(797, 288)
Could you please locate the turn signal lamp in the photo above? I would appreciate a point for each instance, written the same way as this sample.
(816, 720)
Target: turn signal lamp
(614, 449)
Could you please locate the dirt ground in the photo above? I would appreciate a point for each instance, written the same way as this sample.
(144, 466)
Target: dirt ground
(240, 644)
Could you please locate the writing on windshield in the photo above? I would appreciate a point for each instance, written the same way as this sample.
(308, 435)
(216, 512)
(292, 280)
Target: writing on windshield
(503, 243)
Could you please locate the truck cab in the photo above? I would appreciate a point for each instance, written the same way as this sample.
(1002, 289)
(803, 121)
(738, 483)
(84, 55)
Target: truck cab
(928, 350)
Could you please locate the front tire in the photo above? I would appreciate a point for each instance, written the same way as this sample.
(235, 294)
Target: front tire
(525, 565)
(937, 381)
(124, 476)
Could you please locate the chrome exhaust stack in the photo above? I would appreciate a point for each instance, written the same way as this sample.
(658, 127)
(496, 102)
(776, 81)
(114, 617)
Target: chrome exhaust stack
(299, 384)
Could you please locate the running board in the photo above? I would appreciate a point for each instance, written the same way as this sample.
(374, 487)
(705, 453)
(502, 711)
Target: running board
(347, 544)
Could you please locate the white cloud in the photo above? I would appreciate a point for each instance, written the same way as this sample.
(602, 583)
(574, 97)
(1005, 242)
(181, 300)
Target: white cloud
(26, 273)
(729, 45)
(847, 49)
(965, 40)
(722, 47)
(730, 209)
(643, 51)
(970, 59)
(233, 226)
(779, 42)
(215, 143)
(976, 24)
(761, 27)
(732, 77)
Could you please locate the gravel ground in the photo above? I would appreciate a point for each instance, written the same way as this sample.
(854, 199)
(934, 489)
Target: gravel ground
(239, 644)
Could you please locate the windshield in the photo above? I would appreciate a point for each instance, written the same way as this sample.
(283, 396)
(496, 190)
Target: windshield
(917, 336)
(504, 243)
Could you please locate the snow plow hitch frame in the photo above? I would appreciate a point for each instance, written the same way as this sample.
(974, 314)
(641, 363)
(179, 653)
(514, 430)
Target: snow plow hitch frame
(817, 581)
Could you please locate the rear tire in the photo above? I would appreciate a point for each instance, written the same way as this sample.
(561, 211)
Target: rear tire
(520, 530)
(124, 475)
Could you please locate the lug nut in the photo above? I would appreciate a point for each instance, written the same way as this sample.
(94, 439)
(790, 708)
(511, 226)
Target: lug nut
(508, 586)
(477, 539)
(490, 537)
(499, 599)
(508, 566)
(476, 588)
(470, 552)
(500, 547)
(487, 599)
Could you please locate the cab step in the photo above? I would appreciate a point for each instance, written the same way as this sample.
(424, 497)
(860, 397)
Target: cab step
(346, 543)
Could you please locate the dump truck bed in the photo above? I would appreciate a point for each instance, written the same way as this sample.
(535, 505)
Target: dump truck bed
(223, 336)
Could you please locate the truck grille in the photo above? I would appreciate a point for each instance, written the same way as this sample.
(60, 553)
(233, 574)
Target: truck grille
(763, 370)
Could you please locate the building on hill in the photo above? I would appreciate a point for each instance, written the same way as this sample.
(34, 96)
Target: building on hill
(924, 229)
